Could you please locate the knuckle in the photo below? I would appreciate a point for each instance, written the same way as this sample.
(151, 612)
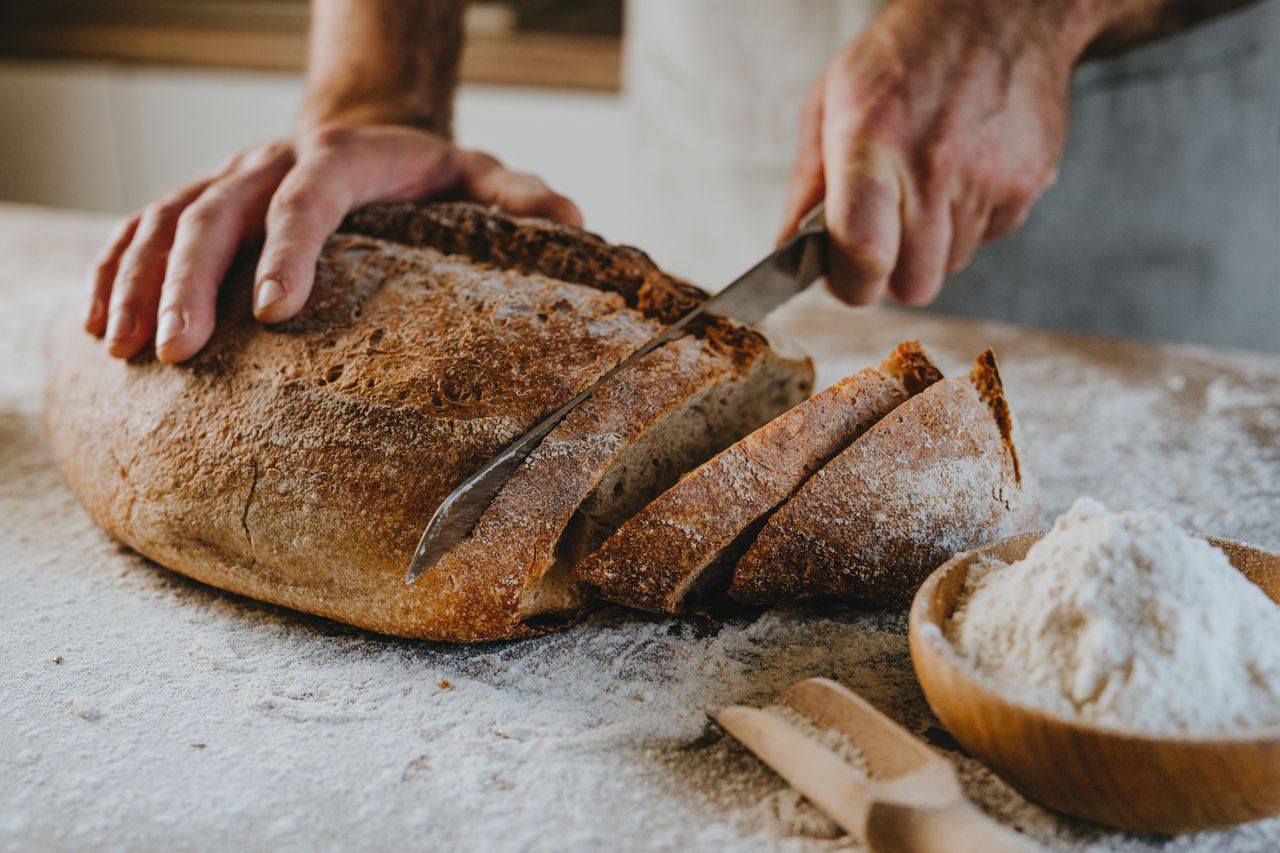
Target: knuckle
(161, 215)
(129, 302)
(103, 265)
(206, 213)
(940, 156)
(879, 114)
(938, 163)
(1020, 216)
(277, 149)
(1021, 194)
(333, 137)
(293, 201)
(263, 156)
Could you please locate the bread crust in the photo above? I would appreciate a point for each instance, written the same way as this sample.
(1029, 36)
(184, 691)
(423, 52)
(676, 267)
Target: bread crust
(942, 473)
(698, 526)
(299, 464)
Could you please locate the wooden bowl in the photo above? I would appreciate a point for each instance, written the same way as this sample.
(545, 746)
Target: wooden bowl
(1149, 783)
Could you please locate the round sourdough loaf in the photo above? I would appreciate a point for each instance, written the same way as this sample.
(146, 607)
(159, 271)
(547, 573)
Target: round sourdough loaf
(299, 464)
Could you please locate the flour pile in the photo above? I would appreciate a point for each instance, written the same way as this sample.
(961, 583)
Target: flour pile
(1124, 620)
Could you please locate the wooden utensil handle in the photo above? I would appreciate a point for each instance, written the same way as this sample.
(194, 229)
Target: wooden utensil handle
(960, 826)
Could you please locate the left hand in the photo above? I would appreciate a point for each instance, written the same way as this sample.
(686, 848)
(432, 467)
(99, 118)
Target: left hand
(933, 132)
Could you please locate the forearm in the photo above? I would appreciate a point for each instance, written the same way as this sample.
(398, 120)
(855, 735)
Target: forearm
(1124, 24)
(386, 61)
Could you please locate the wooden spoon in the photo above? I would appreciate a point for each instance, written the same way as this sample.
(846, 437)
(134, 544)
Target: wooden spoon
(1149, 783)
(908, 799)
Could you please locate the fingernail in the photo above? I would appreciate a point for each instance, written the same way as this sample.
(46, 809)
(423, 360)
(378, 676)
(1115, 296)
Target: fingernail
(270, 292)
(173, 322)
(123, 325)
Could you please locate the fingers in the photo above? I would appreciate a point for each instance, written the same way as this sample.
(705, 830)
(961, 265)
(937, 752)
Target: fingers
(102, 275)
(1004, 219)
(135, 293)
(486, 180)
(339, 168)
(209, 232)
(306, 209)
(926, 246)
(969, 222)
(864, 199)
(1014, 204)
(807, 185)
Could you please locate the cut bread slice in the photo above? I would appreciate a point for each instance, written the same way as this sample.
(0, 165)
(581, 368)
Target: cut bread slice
(299, 464)
(679, 549)
(610, 457)
(942, 473)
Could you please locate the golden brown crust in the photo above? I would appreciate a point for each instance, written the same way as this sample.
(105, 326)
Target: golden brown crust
(660, 557)
(299, 464)
(539, 246)
(936, 476)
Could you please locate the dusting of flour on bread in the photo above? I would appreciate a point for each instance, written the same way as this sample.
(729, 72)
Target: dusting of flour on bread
(1125, 620)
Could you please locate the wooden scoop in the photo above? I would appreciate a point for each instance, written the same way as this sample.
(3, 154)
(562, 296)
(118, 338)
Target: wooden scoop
(907, 800)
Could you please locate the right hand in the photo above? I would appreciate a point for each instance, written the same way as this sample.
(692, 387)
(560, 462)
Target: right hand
(934, 132)
(158, 275)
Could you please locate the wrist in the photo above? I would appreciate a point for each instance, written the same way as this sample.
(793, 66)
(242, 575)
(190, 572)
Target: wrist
(315, 115)
(1083, 22)
(1056, 32)
(361, 105)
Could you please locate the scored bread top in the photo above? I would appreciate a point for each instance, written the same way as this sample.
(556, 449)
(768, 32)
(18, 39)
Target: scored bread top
(942, 473)
(657, 559)
(300, 463)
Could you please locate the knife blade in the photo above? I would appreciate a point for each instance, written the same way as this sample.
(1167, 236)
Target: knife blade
(749, 299)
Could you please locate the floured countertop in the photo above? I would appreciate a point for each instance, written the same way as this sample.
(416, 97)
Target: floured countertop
(140, 710)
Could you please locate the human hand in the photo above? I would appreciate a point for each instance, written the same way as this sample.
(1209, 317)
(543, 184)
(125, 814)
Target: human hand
(933, 132)
(159, 273)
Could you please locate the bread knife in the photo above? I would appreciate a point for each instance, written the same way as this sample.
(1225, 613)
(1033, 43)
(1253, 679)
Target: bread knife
(749, 299)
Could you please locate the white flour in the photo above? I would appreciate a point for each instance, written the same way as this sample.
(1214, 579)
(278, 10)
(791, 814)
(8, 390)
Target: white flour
(1125, 620)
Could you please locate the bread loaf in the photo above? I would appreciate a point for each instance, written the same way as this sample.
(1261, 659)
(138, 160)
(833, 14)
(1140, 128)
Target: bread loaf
(944, 472)
(680, 548)
(299, 464)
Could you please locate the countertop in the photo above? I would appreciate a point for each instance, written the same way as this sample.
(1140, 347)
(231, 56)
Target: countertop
(140, 710)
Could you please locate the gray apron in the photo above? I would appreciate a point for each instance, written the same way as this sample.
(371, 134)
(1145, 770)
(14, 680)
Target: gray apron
(1165, 222)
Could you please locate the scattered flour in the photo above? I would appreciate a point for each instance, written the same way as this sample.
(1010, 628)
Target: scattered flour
(1125, 620)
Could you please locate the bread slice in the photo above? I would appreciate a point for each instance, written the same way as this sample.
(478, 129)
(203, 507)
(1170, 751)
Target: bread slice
(942, 473)
(299, 464)
(680, 548)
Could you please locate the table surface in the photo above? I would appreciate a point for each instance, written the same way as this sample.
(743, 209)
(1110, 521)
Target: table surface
(142, 710)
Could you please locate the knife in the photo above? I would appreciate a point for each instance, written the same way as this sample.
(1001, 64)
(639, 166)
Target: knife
(749, 299)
